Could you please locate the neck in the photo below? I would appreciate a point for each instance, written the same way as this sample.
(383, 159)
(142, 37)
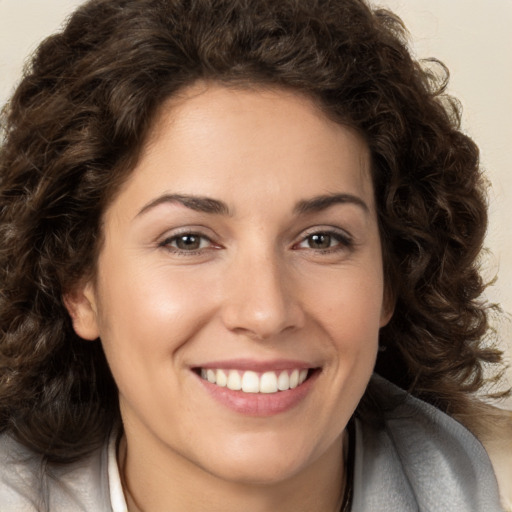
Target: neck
(173, 484)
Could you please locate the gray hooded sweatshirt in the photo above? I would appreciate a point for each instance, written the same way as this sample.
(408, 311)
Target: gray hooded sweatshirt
(409, 457)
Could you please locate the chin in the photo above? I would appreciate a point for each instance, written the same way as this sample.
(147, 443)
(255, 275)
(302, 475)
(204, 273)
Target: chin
(256, 472)
(257, 463)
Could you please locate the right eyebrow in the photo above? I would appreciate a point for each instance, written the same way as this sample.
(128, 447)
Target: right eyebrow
(198, 203)
(320, 203)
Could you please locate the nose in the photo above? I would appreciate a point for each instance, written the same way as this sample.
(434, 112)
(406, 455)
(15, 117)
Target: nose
(260, 298)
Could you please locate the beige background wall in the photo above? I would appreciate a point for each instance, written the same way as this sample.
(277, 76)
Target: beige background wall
(473, 37)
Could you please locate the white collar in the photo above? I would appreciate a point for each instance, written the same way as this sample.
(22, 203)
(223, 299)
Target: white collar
(117, 500)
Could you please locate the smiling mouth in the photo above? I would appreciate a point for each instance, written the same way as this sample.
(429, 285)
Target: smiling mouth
(254, 382)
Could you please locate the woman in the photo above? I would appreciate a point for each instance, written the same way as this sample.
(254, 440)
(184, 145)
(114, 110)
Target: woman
(217, 219)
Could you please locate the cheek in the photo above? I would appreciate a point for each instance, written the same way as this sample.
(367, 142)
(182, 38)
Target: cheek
(350, 305)
(151, 313)
(145, 322)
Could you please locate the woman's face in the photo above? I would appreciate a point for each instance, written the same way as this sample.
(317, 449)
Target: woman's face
(243, 251)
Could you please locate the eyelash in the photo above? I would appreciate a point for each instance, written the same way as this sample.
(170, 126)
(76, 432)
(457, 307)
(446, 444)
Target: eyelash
(168, 241)
(343, 241)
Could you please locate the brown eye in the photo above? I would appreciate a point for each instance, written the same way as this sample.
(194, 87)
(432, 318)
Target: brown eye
(326, 241)
(188, 242)
(319, 241)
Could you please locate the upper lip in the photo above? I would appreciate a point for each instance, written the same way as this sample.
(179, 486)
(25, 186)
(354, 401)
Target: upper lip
(257, 366)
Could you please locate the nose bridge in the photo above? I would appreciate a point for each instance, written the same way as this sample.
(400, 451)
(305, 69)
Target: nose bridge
(259, 294)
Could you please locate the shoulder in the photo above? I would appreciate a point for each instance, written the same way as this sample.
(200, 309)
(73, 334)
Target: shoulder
(19, 482)
(414, 457)
(28, 483)
(495, 432)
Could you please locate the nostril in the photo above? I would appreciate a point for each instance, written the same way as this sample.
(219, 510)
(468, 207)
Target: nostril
(259, 301)
(259, 324)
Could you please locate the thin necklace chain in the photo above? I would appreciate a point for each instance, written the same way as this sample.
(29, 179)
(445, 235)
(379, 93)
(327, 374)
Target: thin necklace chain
(346, 504)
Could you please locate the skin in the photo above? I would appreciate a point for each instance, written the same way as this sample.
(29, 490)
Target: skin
(257, 287)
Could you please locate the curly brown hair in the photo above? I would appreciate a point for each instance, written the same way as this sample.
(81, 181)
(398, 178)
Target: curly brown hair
(75, 127)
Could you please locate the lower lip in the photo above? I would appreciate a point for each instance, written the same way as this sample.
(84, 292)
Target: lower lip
(260, 404)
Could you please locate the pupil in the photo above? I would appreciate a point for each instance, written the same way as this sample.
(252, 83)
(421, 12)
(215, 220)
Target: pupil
(188, 242)
(320, 241)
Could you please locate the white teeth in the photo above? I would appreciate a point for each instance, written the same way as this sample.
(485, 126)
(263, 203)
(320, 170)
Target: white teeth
(210, 375)
(222, 379)
(234, 380)
(283, 382)
(294, 379)
(252, 382)
(268, 383)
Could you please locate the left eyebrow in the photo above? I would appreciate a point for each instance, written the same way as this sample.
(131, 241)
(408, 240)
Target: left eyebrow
(319, 203)
(197, 203)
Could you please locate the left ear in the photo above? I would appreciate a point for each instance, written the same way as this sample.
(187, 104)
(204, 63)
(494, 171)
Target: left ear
(82, 308)
(388, 307)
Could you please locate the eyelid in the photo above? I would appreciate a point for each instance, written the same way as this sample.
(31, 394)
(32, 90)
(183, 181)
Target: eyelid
(169, 239)
(165, 240)
(345, 239)
(328, 230)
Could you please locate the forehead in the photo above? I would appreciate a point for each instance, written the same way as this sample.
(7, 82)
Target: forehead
(211, 137)
(208, 102)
